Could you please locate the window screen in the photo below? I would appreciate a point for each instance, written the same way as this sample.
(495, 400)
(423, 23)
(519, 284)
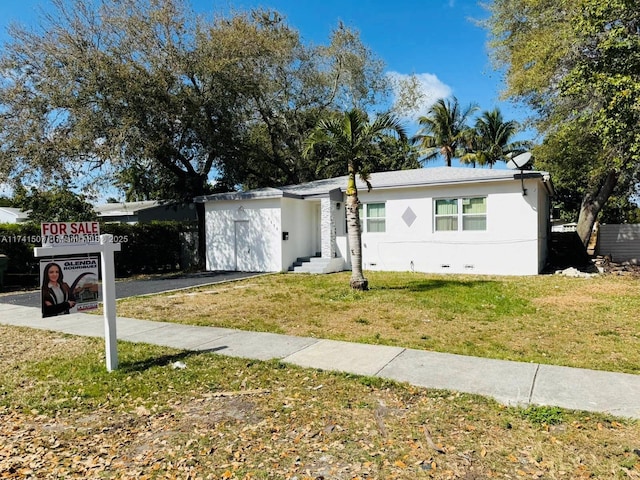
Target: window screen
(446, 217)
(376, 218)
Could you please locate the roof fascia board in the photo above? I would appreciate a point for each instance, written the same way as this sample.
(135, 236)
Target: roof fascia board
(448, 182)
(334, 194)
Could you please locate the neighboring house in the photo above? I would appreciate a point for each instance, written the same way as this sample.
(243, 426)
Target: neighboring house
(144, 212)
(455, 220)
(563, 227)
(13, 215)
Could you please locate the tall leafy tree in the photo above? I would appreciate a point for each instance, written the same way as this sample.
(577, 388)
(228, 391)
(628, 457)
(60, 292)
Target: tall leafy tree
(350, 140)
(490, 140)
(443, 129)
(577, 63)
(56, 205)
(144, 180)
(564, 154)
(290, 95)
(107, 86)
(104, 84)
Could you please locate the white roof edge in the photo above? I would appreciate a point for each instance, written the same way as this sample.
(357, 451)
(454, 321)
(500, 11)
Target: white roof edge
(442, 182)
(422, 177)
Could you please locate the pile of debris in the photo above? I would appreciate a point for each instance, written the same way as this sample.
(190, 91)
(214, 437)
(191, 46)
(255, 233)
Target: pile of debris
(574, 272)
(606, 265)
(600, 265)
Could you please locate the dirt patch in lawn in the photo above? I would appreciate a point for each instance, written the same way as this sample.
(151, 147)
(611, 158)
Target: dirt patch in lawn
(15, 347)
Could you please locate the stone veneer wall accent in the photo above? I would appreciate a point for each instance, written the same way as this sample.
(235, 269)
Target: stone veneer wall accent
(327, 228)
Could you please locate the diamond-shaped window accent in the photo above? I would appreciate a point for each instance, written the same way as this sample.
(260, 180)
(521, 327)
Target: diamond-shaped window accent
(409, 217)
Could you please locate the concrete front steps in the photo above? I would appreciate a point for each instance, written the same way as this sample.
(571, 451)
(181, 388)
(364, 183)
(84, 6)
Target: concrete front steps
(317, 265)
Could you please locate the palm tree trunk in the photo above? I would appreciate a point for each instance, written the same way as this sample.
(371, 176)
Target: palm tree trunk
(354, 233)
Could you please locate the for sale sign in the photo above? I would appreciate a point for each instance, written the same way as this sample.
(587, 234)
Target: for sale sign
(56, 234)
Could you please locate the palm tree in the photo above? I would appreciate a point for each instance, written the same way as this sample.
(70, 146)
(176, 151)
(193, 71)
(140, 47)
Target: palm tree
(349, 140)
(490, 141)
(443, 129)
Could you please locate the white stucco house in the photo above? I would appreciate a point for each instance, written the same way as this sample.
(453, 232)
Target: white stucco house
(435, 220)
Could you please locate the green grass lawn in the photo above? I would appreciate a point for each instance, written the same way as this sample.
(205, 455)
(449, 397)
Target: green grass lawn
(62, 415)
(588, 323)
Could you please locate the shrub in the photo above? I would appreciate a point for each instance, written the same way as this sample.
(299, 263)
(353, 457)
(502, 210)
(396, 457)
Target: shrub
(148, 247)
(17, 242)
(145, 248)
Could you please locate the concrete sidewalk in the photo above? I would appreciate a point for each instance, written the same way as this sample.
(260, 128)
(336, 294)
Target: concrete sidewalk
(511, 383)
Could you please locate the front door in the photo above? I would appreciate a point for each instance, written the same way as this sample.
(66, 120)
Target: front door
(242, 246)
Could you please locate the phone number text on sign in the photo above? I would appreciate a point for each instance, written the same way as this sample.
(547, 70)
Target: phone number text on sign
(69, 233)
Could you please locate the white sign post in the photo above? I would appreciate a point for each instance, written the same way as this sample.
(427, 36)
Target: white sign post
(106, 248)
(109, 299)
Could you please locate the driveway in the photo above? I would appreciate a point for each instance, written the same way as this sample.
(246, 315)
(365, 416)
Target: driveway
(133, 288)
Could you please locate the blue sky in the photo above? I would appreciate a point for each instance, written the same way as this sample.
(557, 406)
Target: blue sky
(434, 39)
(438, 40)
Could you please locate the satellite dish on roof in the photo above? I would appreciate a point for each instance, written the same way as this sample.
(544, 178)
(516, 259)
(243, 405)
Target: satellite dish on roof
(519, 161)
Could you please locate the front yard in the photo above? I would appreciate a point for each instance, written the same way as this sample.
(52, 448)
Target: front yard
(212, 417)
(578, 322)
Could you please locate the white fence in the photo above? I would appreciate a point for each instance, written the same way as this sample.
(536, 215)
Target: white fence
(620, 241)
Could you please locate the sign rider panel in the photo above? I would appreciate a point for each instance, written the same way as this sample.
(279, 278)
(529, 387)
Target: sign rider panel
(69, 233)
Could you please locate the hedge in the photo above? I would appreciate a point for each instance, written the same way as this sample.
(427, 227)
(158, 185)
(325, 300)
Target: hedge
(145, 248)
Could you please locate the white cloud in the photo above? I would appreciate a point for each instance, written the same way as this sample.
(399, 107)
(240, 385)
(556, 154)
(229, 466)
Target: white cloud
(414, 94)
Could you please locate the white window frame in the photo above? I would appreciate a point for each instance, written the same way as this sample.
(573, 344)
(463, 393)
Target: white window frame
(459, 215)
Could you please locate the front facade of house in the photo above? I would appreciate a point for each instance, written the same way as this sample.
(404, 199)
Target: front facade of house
(435, 220)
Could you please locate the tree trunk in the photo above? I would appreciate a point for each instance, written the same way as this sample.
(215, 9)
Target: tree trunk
(354, 233)
(592, 203)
